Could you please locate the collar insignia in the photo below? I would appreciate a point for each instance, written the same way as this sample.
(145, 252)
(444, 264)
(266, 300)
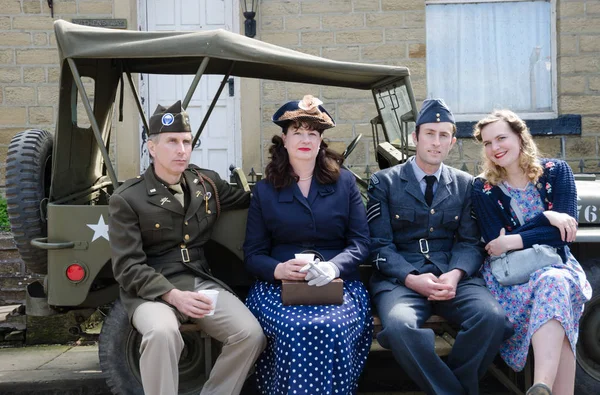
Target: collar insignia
(164, 200)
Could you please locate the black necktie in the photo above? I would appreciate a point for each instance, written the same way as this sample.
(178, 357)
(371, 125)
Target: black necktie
(429, 189)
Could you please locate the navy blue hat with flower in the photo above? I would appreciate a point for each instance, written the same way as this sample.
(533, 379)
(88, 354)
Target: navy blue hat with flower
(434, 110)
(308, 110)
(169, 120)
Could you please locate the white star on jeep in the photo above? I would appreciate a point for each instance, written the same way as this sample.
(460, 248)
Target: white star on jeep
(100, 229)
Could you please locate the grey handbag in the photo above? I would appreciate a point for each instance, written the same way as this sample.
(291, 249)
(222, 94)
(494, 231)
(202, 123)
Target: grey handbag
(515, 267)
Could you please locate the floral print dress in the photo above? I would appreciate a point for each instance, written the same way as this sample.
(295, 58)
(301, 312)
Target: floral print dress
(554, 292)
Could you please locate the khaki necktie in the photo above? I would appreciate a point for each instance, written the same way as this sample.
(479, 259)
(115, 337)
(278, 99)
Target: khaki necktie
(178, 193)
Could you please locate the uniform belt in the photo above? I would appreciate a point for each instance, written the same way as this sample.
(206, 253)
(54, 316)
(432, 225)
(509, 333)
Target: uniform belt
(183, 255)
(426, 246)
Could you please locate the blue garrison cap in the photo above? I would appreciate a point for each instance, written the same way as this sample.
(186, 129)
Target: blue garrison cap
(434, 110)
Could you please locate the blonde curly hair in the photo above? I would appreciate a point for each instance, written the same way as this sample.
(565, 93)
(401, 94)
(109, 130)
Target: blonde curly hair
(529, 156)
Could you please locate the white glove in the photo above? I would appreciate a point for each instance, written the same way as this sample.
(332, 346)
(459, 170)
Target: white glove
(320, 273)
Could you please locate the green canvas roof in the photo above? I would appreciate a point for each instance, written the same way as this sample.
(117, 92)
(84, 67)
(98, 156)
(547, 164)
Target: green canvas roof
(180, 53)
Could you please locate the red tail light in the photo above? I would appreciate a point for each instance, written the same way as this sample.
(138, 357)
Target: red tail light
(75, 272)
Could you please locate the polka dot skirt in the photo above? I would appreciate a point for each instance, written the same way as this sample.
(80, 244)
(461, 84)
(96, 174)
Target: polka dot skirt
(312, 349)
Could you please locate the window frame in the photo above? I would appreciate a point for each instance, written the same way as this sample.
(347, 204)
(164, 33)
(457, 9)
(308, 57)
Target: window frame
(468, 117)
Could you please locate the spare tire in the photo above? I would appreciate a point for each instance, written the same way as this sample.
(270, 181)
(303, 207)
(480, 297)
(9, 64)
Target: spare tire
(119, 354)
(28, 168)
(587, 379)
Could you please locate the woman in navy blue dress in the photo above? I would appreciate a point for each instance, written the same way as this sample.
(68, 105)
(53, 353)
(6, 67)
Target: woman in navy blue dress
(307, 202)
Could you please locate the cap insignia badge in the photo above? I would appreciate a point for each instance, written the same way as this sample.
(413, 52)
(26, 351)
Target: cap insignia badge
(167, 119)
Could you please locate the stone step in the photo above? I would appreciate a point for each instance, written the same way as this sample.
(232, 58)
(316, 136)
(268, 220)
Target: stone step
(12, 296)
(11, 266)
(9, 254)
(16, 281)
(6, 241)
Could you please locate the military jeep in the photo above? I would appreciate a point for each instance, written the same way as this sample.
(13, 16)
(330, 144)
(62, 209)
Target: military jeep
(59, 185)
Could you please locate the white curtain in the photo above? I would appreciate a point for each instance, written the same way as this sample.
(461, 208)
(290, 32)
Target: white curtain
(486, 56)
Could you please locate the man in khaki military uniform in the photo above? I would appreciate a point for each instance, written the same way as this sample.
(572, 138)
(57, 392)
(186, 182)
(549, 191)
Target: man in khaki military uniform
(158, 224)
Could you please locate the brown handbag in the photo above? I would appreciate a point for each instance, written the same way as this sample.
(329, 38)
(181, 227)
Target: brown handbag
(299, 292)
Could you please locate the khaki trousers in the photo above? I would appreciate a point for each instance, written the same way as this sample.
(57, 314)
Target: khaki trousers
(232, 324)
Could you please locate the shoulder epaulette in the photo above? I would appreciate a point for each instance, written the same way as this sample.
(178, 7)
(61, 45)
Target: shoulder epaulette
(129, 183)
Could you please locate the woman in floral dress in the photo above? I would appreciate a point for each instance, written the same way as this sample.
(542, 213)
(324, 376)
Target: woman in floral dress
(545, 310)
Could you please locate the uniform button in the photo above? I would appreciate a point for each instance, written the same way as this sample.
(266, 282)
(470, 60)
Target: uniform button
(181, 245)
(157, 226)
(431, 229)
(456, 218)
(186, 237)
(427, 256)
(186, 223)
(432, 211)
(397, 216)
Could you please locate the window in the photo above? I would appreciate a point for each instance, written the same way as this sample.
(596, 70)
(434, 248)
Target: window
(486, 55)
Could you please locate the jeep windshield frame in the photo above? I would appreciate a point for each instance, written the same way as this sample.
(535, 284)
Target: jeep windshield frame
(81, 164)
(396, 114)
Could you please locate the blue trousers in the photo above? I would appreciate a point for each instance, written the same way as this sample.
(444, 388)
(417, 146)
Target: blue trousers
(483, 327)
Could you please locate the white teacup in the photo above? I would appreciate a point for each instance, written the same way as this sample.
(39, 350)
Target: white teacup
(305, 257)
(213, 294)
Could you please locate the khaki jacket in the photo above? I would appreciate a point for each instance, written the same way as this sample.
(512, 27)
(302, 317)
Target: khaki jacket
(151, 235)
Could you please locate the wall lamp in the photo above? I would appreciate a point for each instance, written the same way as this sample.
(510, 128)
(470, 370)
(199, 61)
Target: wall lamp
(249, 11)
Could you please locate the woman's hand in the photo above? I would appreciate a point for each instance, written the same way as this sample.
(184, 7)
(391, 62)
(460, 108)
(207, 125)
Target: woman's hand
(566, 224)
(290, 270)
(504, 243)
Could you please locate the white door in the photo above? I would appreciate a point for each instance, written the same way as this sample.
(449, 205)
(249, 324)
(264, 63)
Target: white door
(217, 150)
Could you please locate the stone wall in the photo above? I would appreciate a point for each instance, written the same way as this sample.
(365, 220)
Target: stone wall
(13, 274)
(370, 31)
(578, 30)
(393, 32)
(29, 71)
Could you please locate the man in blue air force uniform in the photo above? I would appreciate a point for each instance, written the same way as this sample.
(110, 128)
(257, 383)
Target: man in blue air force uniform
(427, 253)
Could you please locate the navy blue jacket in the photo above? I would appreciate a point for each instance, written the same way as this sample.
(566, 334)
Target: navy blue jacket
(331, 220)
(558, 192)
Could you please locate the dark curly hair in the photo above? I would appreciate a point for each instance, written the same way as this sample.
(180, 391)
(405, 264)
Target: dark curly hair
(280, 172)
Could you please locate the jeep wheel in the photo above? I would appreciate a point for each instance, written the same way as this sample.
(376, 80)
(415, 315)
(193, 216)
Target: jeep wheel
(28, 167)
(587, 380)
(119, 354)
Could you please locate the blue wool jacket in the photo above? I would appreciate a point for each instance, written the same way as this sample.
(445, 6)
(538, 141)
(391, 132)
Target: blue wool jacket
(401, 223)
(331, 220)
(557, 190)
